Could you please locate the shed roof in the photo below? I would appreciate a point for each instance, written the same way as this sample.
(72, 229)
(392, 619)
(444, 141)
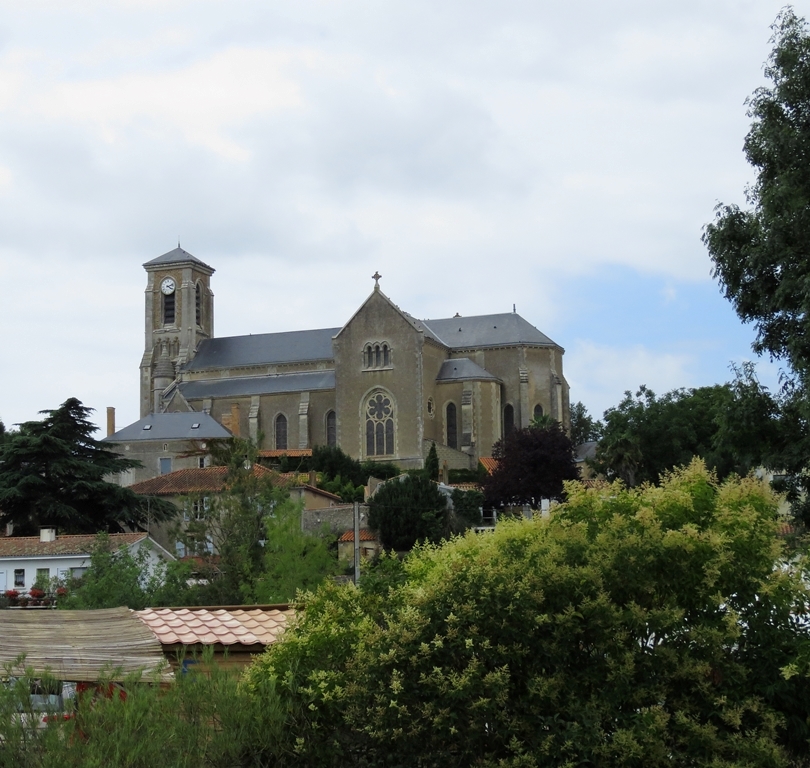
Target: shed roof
(365, 535)
(307, 381)
(82, 645)
(235, 626)
(488, 463)
(76, 544)
(171, 426)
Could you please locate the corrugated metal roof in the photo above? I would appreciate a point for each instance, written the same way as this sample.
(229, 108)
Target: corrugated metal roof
(463, 369)
(308, 381)
(83, 646)
(192, 626)
(176, 256)
(502, 330)
(263, 349)
(171, 426)
(74, 544)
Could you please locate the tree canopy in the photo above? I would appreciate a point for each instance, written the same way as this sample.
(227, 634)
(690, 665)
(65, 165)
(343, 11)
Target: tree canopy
(656, 626)
(533, 463)
(761, 254)
(52, 473)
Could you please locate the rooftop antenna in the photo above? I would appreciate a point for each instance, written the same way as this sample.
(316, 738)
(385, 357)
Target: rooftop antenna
(514, 311)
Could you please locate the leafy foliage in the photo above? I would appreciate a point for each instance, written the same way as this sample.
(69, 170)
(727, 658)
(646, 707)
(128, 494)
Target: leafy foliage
(760, 255)
(52, 474)
(636, 627)
(432, 463)
(408, 509)
(119, 577)
(584, 428)
(533, 463)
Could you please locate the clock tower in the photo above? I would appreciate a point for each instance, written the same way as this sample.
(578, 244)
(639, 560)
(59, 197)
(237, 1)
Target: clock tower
(179, 313)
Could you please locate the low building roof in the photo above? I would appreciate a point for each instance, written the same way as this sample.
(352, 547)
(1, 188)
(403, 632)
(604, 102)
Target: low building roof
(171, 426)
(223, 626)
(463, 369)
(365, 535)
(83, 646)
(75, 544)
(488, 463)
(307, 381)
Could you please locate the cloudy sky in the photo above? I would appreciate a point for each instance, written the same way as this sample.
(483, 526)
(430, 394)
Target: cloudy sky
(558, 156)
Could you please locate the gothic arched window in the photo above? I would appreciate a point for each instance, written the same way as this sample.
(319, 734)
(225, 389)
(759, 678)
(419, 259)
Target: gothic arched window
(379, 425)
(376, 355)
(198, 302)
(331, 429)
(281, 432)
(538, 411)
(508, 420)
(452, 426)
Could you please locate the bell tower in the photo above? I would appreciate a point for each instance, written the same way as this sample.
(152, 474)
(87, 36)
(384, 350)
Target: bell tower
(179, 313)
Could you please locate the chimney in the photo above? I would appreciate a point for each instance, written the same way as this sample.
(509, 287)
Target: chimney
(47, 534)
(110, 420)
(313, 478)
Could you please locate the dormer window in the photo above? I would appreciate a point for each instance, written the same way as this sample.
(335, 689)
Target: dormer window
(376, 355)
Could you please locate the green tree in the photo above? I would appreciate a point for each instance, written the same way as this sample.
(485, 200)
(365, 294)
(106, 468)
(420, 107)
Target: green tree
(408, 509)
(52, 473)
(761, 254)
(637, 627)
(119, 577)
(533, 463)
(432, 463)
(584, 428)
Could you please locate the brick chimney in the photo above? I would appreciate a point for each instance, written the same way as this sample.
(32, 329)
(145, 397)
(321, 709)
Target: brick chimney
(110, 420)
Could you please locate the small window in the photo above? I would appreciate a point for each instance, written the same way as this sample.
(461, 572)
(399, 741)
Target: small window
(43, 575)
(538, 411)
(386, 356)
(77, 573)
(147, 426)
(281, 432)
(195, 425)
(331, 429)
(165, 466)
(179, 548)
(201, 462)
(377, 355)
(19, 577)
(198, 304)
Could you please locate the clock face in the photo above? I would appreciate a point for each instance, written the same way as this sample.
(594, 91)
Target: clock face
(167, 285)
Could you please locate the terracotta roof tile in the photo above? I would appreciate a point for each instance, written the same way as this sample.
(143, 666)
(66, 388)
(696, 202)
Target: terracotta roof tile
(238, 626)
(365, 535)
(193, 480)
(488, 463)
(80, 544)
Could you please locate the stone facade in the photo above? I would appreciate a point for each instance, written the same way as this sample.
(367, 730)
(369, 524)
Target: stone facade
(382, 387)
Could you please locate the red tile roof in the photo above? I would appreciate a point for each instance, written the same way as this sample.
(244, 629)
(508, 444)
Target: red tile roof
(489, 464)
(191, 626)
(365, 535)
(194, 480)
(79, 544)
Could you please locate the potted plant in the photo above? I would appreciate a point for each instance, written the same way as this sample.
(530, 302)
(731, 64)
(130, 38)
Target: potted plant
(12, 595)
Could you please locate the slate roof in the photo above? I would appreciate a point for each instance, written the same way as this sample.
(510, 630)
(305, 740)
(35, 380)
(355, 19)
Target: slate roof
(83, 646)
(234, 626)
(307, 381)
(463, 369)
(176, 256)
(171, 426)
(502, 330)
(77, 544)
(263, 349)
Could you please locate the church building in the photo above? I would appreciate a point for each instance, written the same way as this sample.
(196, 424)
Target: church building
(384, 386)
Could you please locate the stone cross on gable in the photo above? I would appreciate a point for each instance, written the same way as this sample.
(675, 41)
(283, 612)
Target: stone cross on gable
(376, 278)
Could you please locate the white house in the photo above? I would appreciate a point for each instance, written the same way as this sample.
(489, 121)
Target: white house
(24, 559)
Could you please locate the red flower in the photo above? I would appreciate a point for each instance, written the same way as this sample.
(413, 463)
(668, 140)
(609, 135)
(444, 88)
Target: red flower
(12, 593)
(36, 593)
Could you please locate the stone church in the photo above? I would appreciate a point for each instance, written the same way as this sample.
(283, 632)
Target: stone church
(384, 386)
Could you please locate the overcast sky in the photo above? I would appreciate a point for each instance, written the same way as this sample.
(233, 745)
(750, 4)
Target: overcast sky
(559, 156)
